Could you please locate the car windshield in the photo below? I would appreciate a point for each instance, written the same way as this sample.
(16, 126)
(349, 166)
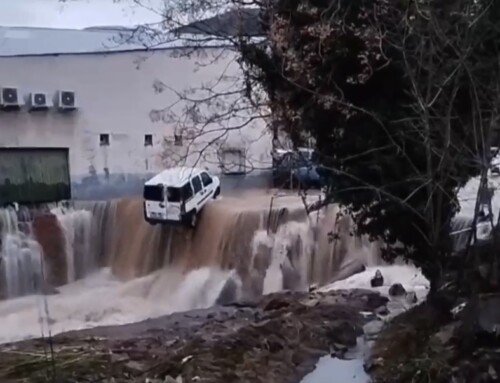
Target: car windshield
(153, 193)
(174, 194)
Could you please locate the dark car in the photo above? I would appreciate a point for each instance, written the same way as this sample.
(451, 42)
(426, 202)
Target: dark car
(296, 169)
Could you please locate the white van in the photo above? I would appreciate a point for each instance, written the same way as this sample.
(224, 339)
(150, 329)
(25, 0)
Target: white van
(177, 195)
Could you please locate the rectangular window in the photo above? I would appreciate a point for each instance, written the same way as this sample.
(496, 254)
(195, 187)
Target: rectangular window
(153, 193)
(196, 184)
(148, 140)
(206, 179)
(187, 191)
(177, 139)
(174, 194)
(104, 139)
(233, 161)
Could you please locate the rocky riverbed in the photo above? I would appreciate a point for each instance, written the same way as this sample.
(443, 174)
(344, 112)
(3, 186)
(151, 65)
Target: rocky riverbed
(278, 339)
(427, 344)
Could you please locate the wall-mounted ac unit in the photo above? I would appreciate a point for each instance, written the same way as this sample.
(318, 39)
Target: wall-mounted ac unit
(9, 98)
(38, 101)
(66, 100)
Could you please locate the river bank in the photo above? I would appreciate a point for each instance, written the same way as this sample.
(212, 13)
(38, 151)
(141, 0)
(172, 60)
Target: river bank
(278, 339)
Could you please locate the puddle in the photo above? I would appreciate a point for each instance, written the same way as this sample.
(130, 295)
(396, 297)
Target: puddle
(348, 370)
(330, 369)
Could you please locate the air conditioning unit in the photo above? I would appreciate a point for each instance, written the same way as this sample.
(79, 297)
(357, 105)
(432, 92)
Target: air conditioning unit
(66, 100)
(38, 101)
(9, 98)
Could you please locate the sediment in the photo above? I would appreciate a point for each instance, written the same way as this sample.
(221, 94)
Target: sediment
(277, 339)
(427, 344)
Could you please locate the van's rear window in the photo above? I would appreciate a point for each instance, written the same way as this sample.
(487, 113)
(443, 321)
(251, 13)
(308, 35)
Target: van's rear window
(153, 193)
(174, 194)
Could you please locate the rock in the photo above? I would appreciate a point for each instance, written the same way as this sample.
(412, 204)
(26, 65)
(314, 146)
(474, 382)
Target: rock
(411, 297)
(291, 277)
(338, 350)
(492, 373)
(481, 317)
(445, 335)
(397, 290)
(377, 280)
(348, 269)
(276, 304)
(382, 310)
(229, 293)
(375, 300)
(313, 287)
(373, 328)
(344, 332)
(136, 366)
(371, 364)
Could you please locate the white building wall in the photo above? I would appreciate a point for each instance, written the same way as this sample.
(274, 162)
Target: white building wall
(115, 95)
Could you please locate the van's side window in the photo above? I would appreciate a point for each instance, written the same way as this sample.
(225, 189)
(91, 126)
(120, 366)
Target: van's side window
(206, 179)
(196, 184)
(187, 191)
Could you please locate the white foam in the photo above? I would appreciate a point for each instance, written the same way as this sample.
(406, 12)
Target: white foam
(409, 276)
(101, 300)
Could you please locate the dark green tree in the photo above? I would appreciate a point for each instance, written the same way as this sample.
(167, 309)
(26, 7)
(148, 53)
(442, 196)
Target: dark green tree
(401, 98)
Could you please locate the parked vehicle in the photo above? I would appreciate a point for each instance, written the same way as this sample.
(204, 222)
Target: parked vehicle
(177, 195)
(296, 169)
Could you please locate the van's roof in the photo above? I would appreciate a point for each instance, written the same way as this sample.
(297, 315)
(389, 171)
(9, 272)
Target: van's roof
(175, 177)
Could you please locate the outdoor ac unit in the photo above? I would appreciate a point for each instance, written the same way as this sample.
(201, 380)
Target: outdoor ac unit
(66, 100)
(38, 101)
(9, 98)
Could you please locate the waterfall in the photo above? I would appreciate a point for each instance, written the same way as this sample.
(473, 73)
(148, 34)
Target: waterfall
(20, 254)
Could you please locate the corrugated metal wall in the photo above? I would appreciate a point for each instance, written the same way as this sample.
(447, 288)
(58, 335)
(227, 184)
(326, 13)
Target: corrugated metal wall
(32, 176)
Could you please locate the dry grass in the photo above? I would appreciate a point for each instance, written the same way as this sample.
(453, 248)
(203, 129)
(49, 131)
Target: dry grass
(405, 352)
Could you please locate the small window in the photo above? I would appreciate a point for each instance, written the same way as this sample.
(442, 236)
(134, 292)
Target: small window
(153, 193)
(104, 139)
(233, 161)
(206, 179)
(177, 139)
(174, 194)
(148, 140)
(187, 191)
(196, 184)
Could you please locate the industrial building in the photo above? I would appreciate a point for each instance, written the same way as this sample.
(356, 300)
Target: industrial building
(102, 110)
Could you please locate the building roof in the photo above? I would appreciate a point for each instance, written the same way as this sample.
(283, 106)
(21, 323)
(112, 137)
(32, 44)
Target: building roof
(24, 41)
(175, 177)
(236, 22)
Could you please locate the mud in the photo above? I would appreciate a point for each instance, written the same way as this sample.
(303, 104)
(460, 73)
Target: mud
(277, 339)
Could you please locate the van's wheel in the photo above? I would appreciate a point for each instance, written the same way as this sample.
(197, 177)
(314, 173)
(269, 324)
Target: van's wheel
(217, 192)
(192, 219)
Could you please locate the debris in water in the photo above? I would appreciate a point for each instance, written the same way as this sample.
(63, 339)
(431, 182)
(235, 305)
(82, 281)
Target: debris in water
(377, 280)
(411, 297)
(397, 290)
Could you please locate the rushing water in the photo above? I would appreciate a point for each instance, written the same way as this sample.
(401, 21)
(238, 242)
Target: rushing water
(20, 254)
(110, 267)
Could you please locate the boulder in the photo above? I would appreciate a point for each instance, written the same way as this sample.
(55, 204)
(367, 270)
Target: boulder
(377, 280)
(228, 294)
(397, 290)
(482, 316)
(411, 297)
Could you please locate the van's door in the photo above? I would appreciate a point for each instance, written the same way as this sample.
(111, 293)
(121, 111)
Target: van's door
(154, 202)
(208, 183)
(188, 198)
(200, 193)
(174, 197)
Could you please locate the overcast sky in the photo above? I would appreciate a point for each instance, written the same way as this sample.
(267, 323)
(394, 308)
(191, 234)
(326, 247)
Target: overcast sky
(75, 13)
